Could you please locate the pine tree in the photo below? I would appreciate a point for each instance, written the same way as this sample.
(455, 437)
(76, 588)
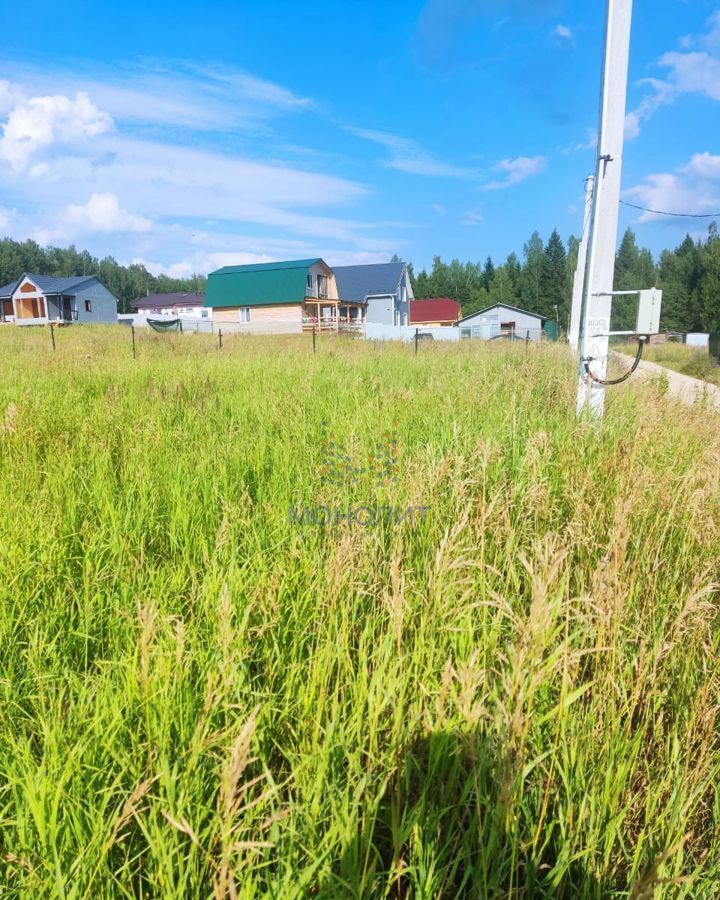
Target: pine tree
(554, 300)
(531, 283)
(488, 274)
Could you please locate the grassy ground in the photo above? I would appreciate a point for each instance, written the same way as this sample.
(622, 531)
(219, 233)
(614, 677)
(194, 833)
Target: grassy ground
(515, 695)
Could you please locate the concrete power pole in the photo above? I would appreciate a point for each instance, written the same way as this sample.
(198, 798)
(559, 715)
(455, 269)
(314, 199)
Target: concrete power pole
(579, 280)
(602, 242)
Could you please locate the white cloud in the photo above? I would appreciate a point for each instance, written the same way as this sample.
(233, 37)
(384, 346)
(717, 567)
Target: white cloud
(693, 189)
(43, 121)
(632, 125)
(690, 71)
(473, 217)
(102, 212)
(697, 72)
(590, 143)
(563, 32)
(184, 204)
(408, 156)
(182, 95)
(7, 99)
(704, 165)
(201, 264)
(516, 170)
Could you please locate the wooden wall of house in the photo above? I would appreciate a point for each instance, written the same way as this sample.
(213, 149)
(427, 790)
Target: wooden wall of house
(276, 319)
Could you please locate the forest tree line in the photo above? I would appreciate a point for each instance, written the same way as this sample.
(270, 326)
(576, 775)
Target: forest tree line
(127, 283)
(539, 281)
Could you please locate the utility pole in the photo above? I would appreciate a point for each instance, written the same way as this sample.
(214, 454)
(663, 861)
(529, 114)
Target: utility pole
(594, 341)
(579, 280)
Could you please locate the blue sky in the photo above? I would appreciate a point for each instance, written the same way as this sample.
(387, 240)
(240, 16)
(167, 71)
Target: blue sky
(189, 136)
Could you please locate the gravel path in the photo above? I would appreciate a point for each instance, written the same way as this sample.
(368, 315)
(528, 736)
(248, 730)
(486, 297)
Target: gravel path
(683, 386)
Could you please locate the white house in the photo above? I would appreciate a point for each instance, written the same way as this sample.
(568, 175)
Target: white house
(177, 305)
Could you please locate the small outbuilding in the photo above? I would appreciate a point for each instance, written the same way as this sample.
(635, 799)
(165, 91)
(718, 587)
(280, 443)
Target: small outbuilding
(502, 320)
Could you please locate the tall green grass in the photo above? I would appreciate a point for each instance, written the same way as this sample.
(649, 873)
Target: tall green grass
(200, 697)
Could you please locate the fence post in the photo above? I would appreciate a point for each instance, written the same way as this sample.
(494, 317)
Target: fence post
(180, 326)
(417, 331)
(52, 334)
(527, 340)
(132, 330)
(314, 346)
(219, 338)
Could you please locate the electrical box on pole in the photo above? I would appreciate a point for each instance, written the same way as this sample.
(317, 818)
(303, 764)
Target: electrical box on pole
(599, 275)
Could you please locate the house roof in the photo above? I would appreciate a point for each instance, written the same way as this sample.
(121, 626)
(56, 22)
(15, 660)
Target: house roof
(357, 282)
(261, 284)
(436, 309)
(48, 284)
(525, 312)
(163, 301)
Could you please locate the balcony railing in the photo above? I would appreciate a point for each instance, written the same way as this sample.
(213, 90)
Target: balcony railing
(336, 324)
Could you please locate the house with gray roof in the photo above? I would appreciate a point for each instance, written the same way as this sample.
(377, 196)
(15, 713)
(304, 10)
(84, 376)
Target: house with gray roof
(41, 299)
(383, 288)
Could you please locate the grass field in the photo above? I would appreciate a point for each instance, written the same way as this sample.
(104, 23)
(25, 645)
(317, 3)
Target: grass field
(515, 695)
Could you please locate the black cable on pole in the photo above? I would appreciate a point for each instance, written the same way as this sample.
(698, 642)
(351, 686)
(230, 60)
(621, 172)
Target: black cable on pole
(659, 212)
(607, 382)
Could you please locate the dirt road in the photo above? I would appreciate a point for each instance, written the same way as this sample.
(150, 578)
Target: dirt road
(683, 386)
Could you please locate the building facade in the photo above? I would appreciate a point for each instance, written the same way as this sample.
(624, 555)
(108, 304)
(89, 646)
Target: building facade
(178, 305)
(502, 320)
(383, 289)
(280, 298)
(41, 299)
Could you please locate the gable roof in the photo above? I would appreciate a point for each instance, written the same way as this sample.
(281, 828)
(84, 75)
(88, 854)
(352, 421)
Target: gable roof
(435, 309)
(357, 282)
(48, 284)
(260, 284)
(161, 301)
(269, 266)
(525, 312)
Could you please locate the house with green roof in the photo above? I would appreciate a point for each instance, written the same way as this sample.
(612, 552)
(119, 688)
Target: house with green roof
(279, 297)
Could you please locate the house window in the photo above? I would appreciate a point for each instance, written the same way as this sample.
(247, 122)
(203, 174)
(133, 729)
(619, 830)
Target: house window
(310, 282)
(507, 327)
(405, 318)
(396, 317)
(322, 287)
(88, 306)
(244, 313)
(203, 314)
